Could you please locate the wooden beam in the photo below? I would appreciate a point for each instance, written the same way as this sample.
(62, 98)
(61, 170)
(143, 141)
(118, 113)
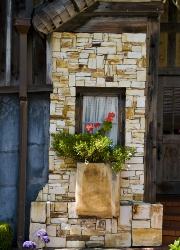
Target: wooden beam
(169, 71)
(30, 89)
(153, 31)
(117, 25)
(131, 8)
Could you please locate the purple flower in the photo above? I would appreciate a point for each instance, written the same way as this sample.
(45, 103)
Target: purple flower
(40, 233)
(46, 239)
(29, 244)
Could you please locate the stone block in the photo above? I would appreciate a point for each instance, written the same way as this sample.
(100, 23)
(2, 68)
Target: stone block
(125, 216)
(141, 76)
(51, 230)
(156, 216)
(60, 207)
(75, 229)
(118, 240)
(146, 237)
(79, 244)
(38, 212)
(141, 211)
(57, 242)
(141, 224)
(72, 210)
(97, 190)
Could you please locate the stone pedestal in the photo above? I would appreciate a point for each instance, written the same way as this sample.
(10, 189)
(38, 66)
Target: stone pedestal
(97, 190)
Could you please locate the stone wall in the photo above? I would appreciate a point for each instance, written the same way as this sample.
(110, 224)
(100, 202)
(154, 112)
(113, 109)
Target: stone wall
(97, 60)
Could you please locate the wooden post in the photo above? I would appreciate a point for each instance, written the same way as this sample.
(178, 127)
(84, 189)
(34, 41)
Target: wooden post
(153, 31)
(22, 25)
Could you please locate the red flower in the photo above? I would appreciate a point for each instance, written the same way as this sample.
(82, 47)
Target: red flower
(111, 114)
(89, 127)
(109, 119)
(97, 124)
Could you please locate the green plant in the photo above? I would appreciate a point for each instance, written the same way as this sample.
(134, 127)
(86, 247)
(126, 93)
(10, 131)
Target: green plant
(6, 236)
(92, 147)
(175, 245)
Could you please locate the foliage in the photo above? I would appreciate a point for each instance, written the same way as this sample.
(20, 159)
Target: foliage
(91, 147)
(175, 245)
(6, 236)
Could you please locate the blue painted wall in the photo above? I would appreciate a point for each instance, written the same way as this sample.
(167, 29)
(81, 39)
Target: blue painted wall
(37, 160)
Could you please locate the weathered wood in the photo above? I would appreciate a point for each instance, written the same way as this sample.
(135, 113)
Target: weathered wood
(112, 25)
(22, 175)
(170, 27)
(43, 21)
(163, 43)
(30, 89)
(8, 41)
(49, 59)
(171, 49)
(153, 31)
(22, 25)
(177, 61)
(168, 71)
(130, 8)
(83, 23)
(2, 43)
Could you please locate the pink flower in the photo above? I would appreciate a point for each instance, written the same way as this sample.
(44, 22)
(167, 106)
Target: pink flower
(97, 124)
(89, 127)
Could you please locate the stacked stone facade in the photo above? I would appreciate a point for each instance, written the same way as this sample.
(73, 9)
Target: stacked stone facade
(97, 60)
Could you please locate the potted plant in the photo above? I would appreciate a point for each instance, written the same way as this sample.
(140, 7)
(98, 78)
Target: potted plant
(93, 147)
(97, 186)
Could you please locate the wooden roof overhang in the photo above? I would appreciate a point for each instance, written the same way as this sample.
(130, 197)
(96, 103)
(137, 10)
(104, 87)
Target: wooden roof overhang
(94, 16)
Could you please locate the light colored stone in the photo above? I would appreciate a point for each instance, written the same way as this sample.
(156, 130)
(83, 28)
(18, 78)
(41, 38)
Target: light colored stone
(51, 230)
(125, 216)
(34, 227)
(60, 207)
(79, 244)
(75, 229)
(118, 240)
(38, 212)
(141, 76)
(141, 224)
(156, 216)
(96, 195)
(146, 237)
(141, 211)
(57, 242)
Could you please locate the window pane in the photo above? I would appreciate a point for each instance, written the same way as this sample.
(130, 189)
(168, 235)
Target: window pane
(96, 109)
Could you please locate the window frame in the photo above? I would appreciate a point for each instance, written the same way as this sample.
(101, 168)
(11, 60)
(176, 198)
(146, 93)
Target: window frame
(102, 91)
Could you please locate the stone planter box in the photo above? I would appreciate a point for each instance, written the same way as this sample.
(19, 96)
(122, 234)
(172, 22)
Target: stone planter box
(97, 190)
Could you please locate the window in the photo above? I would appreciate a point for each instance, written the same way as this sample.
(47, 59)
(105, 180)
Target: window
(93, 105)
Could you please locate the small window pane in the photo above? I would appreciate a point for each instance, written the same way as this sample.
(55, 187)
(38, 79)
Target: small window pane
(96, 109)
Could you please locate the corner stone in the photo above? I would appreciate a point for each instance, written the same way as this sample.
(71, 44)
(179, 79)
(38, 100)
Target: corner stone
(146, 237)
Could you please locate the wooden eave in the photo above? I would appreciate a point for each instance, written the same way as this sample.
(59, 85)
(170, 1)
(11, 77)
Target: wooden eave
(72, 15)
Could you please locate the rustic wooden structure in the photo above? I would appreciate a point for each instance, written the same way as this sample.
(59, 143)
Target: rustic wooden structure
(25, 68)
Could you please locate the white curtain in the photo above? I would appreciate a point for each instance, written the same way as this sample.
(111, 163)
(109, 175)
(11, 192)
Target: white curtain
(96, 109)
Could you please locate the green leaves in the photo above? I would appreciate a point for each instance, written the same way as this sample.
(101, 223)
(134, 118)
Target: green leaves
(175, 245)
(91, 148)
(6, 236)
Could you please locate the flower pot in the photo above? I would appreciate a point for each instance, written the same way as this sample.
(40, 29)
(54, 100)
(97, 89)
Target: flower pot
(97, 190)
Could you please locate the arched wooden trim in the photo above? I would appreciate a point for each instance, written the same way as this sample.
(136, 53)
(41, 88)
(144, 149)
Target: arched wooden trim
(55, 14)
